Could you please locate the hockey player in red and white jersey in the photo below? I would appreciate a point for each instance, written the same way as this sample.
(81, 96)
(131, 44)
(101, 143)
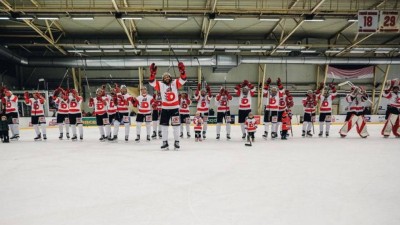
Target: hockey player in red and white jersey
(112, 112)
(223, 112)
(355, 115)
(37, 113)
(11, 102)
(392, 123)
(99, 103)
(124, 100)
(309, 103)
(250, 126)
(144, 104)
(156, 115)
(75, 113)
(245, 91)
(168, 88)
(325, 97)
(276, 104)
(184, 113)
(198, 126)
(203, 98)
(60, 97)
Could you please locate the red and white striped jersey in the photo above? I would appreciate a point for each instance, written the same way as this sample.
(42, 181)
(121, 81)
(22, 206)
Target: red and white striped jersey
(99, 105)
(250, 124)
(394, 99)
(62, 105)
(203, 103)
(184, 106)
(111, 105)
(309, 107)
(169, 93)
(356, 103)
(144, 103)
(273, 101)
(74, 104)
(245, 100)
(325, 104)
(11, 104)
(123, 102)
(157, 102)
(198, 123)
(223, 102)
(37, 106)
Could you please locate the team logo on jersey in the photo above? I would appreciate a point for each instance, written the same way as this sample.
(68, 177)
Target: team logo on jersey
(170, 96)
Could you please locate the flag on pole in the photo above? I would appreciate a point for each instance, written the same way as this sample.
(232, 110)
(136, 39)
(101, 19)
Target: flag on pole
(350, 72)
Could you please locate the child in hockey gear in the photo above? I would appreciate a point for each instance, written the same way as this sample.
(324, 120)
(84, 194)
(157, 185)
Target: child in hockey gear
(309, 103)
(124, 100)
(75, 114)
(4, 121)
(392, 123)
(355, 116)
(198, 126)
(11, 103)
(62, 111)
(170, 101)
(100, 110)
(203, 98)
(223, 112)
(286, 124)
(143, 103)
(244, 91)
(251, 127)
(184, 103)
(156, 115)
(325, 107)
(37, 113)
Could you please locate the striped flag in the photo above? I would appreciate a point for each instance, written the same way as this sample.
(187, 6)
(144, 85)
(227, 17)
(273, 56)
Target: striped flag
(350, 72)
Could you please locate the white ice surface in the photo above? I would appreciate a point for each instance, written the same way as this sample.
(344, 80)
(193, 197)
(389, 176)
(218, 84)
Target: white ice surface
(311, 181)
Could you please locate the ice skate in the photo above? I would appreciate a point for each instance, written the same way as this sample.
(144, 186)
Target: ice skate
(274, 135)
(320, 134)
(38, 137)
(309, 134)
(148, 138)
(228, 136)
(159, 134)
(176, 145)
(154, 136)
(181, 135)
(265, 135)
(204, 135)
(303, 133)
(188, 135)
(67, 135)
(15, 137)
(137, 138)
(327, 134)
(244, 136)
(217, 137)
(44, 137)
(74, 138)
(126, 137)
(102, 138)
(165, 146)
(61, 136)
(81, 137)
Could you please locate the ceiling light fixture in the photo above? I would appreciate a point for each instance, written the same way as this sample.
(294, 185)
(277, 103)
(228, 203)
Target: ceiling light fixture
(357, 51)
(92, 50)
(258, 50)
(182, 18)
(224, 18)
(269, 19)
(332, 51)
(352, 20)
(308, 51)
(4, 18)
(48, 18)
(83, 18)
(24, 18)
(232, 50)
(153, 50)
(283, 51)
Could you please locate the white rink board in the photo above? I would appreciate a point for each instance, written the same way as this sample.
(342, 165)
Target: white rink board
(309, 181)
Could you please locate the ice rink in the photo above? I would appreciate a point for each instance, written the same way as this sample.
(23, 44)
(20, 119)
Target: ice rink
(311, 181)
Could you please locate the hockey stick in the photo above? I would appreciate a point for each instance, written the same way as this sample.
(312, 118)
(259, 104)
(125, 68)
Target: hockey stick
(173, 52)
(248, 144)
(62, 80)
(87, 82)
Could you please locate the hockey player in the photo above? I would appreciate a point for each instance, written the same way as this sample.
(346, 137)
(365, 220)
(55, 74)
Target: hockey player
(250, 126)
(184, 113)
(286, 124)
(62, 111)
(112, 112)
(198, 126)
(223, 112)
(170, 101)
(203, 98)
(11, 102)
(75, 114)
(309, 103)
(156, 115)
(100, 110)
(4, 122)
(276, 100)
(124, 100)
(393, 122)
(325, 107)
(37, 113)
(143, 102)
(244, 91)
(355, 115)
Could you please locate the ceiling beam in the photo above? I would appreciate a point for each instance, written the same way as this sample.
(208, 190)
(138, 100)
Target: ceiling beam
(354, 44)
(131, 31)
(295, 28)
(207, 23)
(37, 29)
(291, 5)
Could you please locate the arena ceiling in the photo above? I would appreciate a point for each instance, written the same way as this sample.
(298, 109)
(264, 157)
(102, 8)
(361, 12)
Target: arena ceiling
(202, 27)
